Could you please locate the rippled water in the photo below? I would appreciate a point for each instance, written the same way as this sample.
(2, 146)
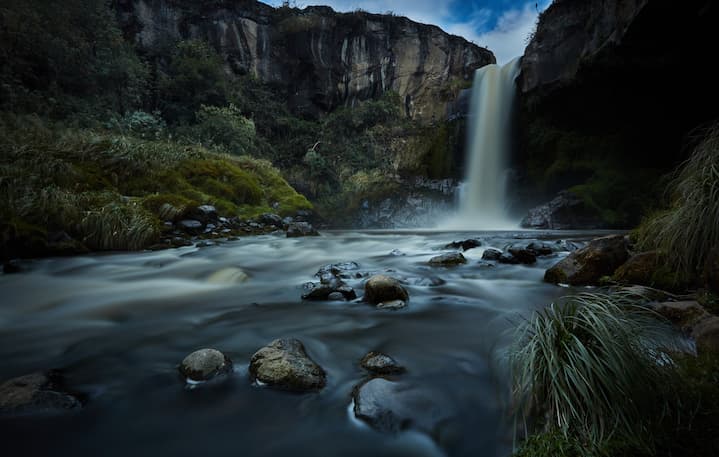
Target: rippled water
(119, 324)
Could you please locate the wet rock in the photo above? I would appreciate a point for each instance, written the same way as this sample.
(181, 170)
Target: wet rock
(394, 406)
(380, 288)
(706, 335)
(465, 245)
(380, 363)
(178, 242)
(205, 364)
(491, 254)
(524, 256)
(336, 296)
(540, 249)
(392, 305)
(396, 252)
(287, 221)
(453, 258)
(36, 393)
(508, 259)
(639, 269)
(566, 245)
(270, 219)
(601, 257)
(205, 244)
(337, 269)
(300, 229)
(203, 213)
(318, 293)
(565, 211)
(683, 314)
(191, 226)
(284, 364)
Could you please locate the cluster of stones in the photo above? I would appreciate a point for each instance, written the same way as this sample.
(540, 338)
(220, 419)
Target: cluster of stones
(204, 222)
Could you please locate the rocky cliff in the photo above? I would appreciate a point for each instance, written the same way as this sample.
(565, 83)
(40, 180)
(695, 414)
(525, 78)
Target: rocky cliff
(321, 59)
(610, 91)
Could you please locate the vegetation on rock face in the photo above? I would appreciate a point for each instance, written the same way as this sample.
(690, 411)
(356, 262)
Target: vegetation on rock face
(593, 369)
(688, 230)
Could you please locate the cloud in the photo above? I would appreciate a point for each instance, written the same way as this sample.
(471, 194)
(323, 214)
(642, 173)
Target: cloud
(508, 38)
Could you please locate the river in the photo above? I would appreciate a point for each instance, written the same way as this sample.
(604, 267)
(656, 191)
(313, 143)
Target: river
(118, 325)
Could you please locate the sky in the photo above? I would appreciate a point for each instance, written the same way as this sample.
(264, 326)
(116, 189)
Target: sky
(501, 25)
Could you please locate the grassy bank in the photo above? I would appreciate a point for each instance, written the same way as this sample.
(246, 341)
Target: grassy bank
(110, 191)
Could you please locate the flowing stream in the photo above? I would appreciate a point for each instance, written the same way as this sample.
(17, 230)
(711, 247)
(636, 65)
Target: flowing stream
(118, 324)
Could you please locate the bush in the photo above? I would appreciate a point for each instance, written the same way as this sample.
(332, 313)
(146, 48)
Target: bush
(224, 128)
(593, 367)
(141, 124)
(689, 229)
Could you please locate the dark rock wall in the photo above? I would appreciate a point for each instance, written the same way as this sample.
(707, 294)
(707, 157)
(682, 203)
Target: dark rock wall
(321, 59)
(610, 92)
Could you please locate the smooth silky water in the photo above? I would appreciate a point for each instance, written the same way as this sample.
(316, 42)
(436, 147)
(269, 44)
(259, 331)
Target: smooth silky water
(118, 325)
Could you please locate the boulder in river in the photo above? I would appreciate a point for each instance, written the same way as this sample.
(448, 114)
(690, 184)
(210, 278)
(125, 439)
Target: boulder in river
(380, 288)
(524, 256)
(203, 213)
(601, 257)
(284, 364)
(300, 229)
(683, 314)
(392, 305)
(540, 249)
(491, 254)
(36, 393)
(640, 269)
(465, 245)
(341, 270)
(450, 259)
(205, 364)
(381, 364)
(271, 219)
(391, 407)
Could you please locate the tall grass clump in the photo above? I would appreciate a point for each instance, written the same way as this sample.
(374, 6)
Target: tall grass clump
(594, 368)
(689, 229)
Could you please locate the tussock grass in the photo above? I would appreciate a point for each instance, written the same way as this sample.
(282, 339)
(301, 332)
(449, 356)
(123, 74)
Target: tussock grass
(689, 229)
(593, 367)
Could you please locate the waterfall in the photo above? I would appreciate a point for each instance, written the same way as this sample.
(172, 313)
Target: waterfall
(483, 205)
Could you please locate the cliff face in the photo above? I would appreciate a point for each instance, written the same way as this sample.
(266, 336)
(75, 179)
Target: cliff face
(321, 59)
(610, 91)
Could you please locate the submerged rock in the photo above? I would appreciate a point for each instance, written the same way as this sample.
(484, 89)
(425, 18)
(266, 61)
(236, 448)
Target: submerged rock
(337, 269)
(284, 364)
(36, 393)
(601, 257)
(453, 258)
(300, 229)
(380, 363)
(205, 364)
(383, 289)
(392, 305)
(465, 245)
(230, 275)
(392, 406)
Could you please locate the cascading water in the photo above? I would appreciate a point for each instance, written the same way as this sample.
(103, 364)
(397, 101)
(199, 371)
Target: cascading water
(482, 202)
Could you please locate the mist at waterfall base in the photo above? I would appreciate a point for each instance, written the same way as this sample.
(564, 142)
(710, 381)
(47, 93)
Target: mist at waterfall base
(482, 202)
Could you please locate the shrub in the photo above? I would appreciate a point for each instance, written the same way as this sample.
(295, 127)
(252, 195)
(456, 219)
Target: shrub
(141, 124)
(225, 128)
(689, 229)
(593, 366)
